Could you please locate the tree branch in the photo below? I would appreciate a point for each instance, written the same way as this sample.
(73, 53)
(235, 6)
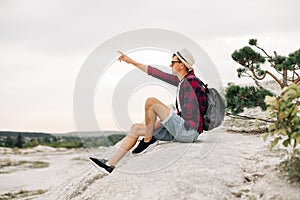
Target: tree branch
(246, 117)
(257, 77)
(279, 72)
(264, 75)
(275, 78)
(296, 73)
(263, 51)
(256, 82)
(268, 56)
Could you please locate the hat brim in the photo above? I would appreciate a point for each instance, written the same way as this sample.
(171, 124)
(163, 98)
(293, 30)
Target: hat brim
(190, 67)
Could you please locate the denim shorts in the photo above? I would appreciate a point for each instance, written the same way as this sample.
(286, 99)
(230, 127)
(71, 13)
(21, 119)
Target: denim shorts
(173, 129)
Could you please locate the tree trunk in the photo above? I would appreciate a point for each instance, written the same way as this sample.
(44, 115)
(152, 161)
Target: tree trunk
(285, 78)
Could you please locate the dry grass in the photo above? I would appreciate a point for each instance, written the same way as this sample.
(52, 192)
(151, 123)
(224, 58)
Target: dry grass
(5, 164)
(21, 194)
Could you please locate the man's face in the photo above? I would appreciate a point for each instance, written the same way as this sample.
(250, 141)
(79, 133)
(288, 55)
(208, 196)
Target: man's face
(175, 65)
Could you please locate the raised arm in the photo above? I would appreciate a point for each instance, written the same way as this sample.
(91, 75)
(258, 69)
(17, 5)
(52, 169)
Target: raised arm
(169, 78)
(128, 60)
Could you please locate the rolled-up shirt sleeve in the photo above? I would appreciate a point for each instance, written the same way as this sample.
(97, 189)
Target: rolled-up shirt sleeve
(169, 78)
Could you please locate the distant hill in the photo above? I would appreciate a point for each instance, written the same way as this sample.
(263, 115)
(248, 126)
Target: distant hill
(91, 133)
(88, 139)
(69, 134)
(24, 134)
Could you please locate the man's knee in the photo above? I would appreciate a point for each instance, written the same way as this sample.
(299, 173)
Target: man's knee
(134, 128)
(150, 102)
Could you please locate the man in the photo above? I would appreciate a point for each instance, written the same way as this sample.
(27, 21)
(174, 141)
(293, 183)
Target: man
(161, 123)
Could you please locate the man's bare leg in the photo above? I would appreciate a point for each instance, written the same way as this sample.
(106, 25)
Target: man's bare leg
(127, 143)
(153, 109)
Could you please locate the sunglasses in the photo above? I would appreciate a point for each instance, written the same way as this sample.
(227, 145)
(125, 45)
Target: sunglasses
(175, 61)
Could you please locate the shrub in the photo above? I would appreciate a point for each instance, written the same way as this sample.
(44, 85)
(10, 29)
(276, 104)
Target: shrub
(285, 110)
(238, 98)
(292, 168)
(286, 127)
(115, 138)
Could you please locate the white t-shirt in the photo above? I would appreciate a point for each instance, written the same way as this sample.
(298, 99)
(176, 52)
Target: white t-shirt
(177, 95)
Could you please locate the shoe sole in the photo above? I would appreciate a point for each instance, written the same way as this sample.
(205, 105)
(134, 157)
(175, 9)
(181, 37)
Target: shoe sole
(147, 149)
(99, 167)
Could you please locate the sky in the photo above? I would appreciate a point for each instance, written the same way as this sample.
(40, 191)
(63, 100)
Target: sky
(43, 45)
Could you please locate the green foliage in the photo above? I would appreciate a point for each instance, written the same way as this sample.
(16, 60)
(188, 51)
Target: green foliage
(250, 60)
(247, 57)
(46, 140)
(115, 138)
(253, 42)
(20, 141)
(9, 142)
(238, 98)
(292, 62)
(281, 68)
(63, 142)
(292, 167)
(31, 143)
(93, 142)
(285, 110)
(27, 140)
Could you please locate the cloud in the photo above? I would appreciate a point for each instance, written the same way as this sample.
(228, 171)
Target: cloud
(63, 26)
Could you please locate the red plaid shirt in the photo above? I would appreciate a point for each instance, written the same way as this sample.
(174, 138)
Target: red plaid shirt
(192, 97)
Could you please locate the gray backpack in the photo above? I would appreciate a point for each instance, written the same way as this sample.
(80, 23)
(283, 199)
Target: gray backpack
(215, 111)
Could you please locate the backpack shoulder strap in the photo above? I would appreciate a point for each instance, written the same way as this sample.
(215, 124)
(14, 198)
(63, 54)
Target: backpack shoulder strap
(205, 86)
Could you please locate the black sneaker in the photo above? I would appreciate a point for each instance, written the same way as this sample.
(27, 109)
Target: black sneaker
(101, 164)
(144, 146)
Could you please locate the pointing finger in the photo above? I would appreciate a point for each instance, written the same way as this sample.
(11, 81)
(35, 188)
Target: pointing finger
(120, 52)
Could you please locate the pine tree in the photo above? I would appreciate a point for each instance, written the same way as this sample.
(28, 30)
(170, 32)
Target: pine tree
(9, 141)
(19, 141)
(284, 70)
(238, 98)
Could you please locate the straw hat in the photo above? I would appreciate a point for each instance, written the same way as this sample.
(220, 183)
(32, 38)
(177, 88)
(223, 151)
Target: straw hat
(186, 58)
